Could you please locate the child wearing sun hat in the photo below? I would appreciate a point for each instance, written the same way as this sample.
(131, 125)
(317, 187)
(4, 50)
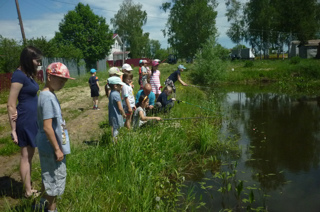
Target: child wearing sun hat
(52, 138)
(95, 88)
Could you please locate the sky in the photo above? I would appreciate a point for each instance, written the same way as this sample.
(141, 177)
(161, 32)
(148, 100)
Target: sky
(42, 17)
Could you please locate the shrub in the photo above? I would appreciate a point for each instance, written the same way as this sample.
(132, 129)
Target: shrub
(295, 60)
(248, 64)
(210, 66)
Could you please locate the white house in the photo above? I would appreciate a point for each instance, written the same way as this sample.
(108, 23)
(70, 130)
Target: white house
(116, 53)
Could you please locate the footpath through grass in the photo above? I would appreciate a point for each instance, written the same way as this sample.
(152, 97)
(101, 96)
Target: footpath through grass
(145, 170)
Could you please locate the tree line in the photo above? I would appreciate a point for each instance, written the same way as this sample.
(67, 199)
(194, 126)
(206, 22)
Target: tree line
(84, 35)
(266, 24)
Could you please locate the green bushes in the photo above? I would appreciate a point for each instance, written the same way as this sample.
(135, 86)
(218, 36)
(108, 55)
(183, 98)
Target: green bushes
(295, 60)
(248, 64)
(210, 66)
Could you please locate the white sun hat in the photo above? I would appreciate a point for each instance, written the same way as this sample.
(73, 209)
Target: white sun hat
(127, 67)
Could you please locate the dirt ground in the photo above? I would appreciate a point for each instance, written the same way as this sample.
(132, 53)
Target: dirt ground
(82, 124)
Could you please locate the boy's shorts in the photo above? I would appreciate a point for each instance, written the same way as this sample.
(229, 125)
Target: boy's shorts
(53, 173)
(94, 91)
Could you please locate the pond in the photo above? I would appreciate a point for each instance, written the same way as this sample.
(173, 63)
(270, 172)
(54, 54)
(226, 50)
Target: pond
(278, 168)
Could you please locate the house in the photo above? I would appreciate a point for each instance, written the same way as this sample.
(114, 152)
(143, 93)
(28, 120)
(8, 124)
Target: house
(116, 56)
(307, 50)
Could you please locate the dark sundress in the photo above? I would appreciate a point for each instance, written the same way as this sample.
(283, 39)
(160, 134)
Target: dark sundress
(26, 125)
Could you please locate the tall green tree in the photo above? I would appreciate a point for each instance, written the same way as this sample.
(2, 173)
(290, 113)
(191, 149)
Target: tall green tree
(235, 17)
(190, 24)
(298, 19)
(86, 31)
(128, 23)
(259, 16)
(10, 51)
(152, 47)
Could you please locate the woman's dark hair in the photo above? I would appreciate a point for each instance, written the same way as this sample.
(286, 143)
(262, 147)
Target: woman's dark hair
(27, 56)
(153, 69)
(141, 98)
(126, 76)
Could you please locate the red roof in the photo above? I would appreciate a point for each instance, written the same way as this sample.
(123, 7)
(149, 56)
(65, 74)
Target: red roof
(114, 35)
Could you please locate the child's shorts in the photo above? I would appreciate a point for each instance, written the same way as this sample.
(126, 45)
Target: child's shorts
(53, 173)
(94, 91)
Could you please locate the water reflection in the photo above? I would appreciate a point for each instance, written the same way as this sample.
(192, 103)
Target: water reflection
(282, 135)
(280, 143)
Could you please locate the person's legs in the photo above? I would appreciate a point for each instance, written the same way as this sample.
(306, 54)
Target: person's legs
(50, 200)
(95, 101)
(115, 133)
(128, 120)
(27, 153)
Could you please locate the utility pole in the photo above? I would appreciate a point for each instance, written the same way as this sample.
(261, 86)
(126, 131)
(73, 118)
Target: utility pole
(20, 22)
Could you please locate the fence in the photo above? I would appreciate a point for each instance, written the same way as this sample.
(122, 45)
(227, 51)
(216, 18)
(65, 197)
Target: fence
(5, 79)
(74, 68)
(102, 65)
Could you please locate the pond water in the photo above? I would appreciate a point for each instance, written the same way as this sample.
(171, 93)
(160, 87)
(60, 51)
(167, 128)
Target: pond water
(279, 161)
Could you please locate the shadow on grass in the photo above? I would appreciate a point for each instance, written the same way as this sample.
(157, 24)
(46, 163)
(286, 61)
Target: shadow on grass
(10, 187)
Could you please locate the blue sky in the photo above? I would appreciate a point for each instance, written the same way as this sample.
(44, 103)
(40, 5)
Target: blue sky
(42, 17)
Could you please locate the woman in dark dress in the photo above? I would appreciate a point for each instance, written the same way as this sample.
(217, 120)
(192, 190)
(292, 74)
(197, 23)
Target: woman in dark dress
(23, 117)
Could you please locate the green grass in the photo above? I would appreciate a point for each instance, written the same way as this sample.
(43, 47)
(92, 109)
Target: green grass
(8, 147)
(4, 94)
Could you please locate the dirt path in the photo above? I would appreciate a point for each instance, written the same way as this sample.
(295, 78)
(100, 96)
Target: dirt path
(82, 124)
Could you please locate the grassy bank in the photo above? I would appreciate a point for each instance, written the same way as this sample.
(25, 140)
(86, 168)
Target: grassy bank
(144, 171)
(290, 75)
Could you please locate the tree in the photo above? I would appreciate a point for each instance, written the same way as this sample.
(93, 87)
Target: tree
(298, 19)
(211, 64)
(235, 16)
(128, 24)
(189, 25)
(84, 30)
(9, 54)
(152, 47)
(161, 54)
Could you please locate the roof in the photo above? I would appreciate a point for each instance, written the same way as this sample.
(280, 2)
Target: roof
(308, 43)
(126, 52)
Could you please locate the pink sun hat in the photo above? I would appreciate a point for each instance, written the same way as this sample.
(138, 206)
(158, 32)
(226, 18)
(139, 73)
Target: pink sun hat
(155, 63)
(58, 69)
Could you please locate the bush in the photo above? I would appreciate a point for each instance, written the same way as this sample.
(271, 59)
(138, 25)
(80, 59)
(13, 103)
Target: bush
(210, 66)
(248, 64)
(295, 60)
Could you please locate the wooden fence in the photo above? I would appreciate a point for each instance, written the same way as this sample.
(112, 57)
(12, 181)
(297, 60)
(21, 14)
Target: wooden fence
(5, 80)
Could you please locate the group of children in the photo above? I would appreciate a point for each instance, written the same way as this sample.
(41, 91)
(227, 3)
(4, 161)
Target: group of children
(124, 106)
(51, 135)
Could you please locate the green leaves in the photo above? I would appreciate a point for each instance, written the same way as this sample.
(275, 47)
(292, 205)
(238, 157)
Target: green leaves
(82, 29)
(128, 23)
(190, 24)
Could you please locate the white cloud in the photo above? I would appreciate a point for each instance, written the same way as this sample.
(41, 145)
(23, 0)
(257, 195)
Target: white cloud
(53, 13)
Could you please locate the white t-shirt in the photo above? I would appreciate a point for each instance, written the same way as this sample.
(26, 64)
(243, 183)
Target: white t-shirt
(136, 118)
(127, 92)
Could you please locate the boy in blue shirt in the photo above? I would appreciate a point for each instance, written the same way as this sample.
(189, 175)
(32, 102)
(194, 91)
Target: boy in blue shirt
(52, 139)
(163, 103)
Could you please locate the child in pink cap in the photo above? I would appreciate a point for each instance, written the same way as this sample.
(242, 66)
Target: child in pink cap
(52, 138)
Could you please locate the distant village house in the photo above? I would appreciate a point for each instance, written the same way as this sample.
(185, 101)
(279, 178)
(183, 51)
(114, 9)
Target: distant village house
(307, 50)
(117, 56)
